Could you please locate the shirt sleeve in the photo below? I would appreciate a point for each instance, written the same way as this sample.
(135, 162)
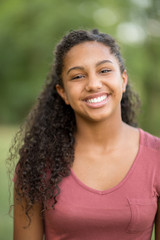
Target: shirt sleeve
(157, 148)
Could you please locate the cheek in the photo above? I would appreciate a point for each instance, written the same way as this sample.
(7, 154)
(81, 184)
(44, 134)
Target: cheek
(72, 96)
(115, 85)
(118, 83)
(74, 91)
(116, 88)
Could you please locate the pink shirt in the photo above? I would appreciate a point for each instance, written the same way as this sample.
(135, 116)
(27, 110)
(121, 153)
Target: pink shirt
(124, 212)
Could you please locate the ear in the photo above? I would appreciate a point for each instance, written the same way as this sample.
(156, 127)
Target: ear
(62, 93)
(124, 81)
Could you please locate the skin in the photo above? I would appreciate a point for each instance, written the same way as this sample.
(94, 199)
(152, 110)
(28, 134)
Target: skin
(90, 70)
(35, 229)
(85, 76)
(96, 70)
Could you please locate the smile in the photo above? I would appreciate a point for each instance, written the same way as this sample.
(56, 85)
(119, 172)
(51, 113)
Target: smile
(97, 100)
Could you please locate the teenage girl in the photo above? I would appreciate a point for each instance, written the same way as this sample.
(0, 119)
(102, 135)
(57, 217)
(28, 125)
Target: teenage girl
(85, 171)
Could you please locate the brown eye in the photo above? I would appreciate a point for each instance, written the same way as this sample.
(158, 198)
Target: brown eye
(78, 77)
(105, 70)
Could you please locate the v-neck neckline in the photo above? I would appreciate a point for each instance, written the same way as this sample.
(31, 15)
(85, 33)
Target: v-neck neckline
(101, 192)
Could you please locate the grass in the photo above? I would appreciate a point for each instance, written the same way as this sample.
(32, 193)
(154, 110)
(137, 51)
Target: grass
(6, 222)
(6, 229)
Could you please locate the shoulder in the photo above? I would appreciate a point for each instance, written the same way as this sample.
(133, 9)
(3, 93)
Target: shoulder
(149, 141)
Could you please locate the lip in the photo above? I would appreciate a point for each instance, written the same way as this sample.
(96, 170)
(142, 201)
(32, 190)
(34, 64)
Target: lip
(96, 95)
(97, 104)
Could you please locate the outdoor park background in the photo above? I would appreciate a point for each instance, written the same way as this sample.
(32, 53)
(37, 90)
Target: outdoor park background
(29, 30)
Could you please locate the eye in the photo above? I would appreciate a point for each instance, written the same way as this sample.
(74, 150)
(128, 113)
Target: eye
(105, 70)
(78, 77)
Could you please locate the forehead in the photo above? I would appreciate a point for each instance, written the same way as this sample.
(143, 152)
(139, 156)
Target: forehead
(88, 52)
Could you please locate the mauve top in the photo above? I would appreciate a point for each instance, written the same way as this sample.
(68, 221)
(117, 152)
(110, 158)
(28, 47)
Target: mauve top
(126, 211)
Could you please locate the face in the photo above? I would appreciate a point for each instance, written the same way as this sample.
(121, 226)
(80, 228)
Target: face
(93, 83)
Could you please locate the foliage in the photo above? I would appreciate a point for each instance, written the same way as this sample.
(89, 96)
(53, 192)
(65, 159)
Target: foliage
(29, 31)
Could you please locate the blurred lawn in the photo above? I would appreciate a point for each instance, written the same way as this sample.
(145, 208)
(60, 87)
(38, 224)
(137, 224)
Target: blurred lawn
(6, 134)
(6, 226)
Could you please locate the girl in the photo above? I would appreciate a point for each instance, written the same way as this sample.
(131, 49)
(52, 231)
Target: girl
(85, 172)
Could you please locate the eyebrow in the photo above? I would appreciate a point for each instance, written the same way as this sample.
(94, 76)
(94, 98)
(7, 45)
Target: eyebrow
(103, 61)
(82, 68)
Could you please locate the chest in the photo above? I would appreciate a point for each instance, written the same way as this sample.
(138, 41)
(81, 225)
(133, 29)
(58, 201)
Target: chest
(102, 172)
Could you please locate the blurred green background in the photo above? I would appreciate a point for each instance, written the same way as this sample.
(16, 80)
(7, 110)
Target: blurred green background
(29, 31)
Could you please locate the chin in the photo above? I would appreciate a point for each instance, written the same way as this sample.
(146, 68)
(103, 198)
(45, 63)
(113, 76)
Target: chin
(97, 119)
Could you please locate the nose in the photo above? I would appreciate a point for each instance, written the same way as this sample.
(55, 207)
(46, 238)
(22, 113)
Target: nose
(93, 83)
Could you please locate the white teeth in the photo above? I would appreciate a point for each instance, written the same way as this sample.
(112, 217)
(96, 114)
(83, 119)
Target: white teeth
(95, 100)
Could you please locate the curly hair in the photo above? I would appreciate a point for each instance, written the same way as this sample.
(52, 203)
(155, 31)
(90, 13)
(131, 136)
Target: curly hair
(44, 145)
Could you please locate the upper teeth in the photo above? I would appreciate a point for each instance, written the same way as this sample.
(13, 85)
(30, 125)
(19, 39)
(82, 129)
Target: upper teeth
(95, 100)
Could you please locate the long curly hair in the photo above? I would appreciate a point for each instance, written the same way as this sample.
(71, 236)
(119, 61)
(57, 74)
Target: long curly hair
(44, 145)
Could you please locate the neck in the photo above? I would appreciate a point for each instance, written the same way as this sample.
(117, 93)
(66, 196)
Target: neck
(100, 134)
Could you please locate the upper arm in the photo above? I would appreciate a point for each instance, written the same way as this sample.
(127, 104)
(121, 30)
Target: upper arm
(157, 223)
(22, 230)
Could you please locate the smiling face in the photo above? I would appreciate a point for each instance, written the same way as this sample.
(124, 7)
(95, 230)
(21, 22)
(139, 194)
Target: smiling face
(93, 83)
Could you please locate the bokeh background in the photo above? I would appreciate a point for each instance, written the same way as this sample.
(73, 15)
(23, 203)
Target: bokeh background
(29, 31)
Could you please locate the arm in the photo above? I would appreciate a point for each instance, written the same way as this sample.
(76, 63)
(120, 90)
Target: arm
(157, 223)
(35, 230)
